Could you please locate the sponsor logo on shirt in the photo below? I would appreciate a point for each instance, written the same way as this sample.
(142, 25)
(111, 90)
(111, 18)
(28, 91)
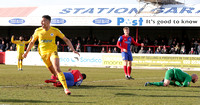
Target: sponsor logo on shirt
(46, 41)
(51, 34)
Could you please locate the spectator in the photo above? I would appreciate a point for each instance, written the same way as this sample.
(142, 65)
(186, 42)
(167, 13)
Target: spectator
(109, 50)
(155, 43)
(2, 46)
(89, 42)
(7, 47)
(95, 42)
(78, 46)
(83, 42)
(172, 51)
(164, 50)
(115, 50)
(170, 41)
(182, 51)
(103, 50)
(198, 49)
(113, 42)
(59, 47)
(99, 42)
(177, 49)
(141, 51)
(183, 46)
(149, 51)
(11, 49)
(157, 51)
(196, 44)
(192, 51)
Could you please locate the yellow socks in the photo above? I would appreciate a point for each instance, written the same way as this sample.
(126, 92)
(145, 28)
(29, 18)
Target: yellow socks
(20, 65)
(62, 79)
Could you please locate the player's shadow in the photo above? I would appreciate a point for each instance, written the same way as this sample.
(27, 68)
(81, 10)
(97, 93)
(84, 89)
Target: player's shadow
(22, 101)
(94, 86)
(131, 94)
(161, 89)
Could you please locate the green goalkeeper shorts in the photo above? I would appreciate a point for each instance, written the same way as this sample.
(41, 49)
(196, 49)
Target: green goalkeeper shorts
(169, 75)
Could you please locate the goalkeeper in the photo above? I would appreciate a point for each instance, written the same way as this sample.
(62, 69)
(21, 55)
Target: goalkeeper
(175, 77)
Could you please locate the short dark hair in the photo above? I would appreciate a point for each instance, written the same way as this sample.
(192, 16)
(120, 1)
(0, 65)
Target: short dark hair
(47, 17)
(84, 76)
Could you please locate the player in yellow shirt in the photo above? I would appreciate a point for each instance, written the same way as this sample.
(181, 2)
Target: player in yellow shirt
(20, 49)
(46, 36)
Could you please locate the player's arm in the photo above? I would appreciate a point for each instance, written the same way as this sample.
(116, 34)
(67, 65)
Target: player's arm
(135, 43)
(119, 43)
(12, 40)
(68, 42)
(177, 83)
(30, 45)
(187, 81)
(28, 40)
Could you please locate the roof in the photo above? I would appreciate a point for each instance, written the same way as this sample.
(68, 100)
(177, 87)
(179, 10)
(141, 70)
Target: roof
(99, 13)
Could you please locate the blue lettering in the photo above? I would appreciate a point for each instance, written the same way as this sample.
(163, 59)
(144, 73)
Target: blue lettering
(121, 10)
(198, 11)
(66, 10)
(64, 59)
(172, 10)
(188, 10)
(78, 9)
(160, 10)
(110, 10)
(90, 10)
(133, 9)
(92, 60)
(140, 21)
(101, 10)
(120, 20)
(134, 22)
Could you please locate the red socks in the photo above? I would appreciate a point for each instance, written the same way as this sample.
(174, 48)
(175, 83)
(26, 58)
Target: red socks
(125, 70)
(53, 77)
(129, 71)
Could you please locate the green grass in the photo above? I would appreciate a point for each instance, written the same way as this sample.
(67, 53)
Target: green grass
(103, 86)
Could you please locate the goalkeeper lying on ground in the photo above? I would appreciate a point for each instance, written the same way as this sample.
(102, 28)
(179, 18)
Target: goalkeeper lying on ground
(73, 78)
(175, 77)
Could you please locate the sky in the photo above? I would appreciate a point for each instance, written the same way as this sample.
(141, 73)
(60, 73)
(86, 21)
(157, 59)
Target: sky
(31, 3)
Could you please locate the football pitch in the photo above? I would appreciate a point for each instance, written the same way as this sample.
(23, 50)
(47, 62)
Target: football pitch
(103, 86)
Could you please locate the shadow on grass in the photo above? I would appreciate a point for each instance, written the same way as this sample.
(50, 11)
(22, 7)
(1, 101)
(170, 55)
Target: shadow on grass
(94, 86)
(21, 101)
(38, 101)
(131, 94)
(162, 89)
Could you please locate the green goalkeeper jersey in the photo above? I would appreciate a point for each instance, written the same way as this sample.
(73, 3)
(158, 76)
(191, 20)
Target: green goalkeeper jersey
(181, 78)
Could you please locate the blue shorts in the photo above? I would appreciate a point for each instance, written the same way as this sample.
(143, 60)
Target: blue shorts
(127, 56)
(69, 78)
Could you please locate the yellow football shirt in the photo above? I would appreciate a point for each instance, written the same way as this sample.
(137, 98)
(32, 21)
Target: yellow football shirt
(20, 45)
(47, 39)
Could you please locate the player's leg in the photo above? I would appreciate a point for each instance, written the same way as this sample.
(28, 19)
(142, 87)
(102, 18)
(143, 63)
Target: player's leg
(168, 76)
(125, 68)
(21, 60)
(18, 65)
(129, 69)
(125, 61)
(130, 59)
(56, 65)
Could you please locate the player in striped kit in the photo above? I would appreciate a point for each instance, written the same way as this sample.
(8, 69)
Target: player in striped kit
(124, 43)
